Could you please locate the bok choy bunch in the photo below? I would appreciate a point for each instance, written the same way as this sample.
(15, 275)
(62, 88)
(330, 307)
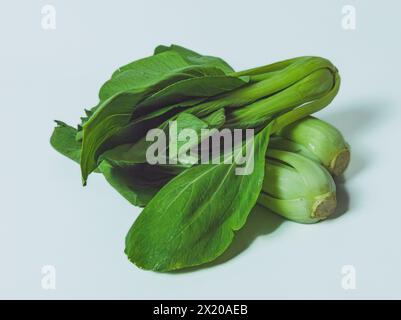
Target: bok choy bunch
(192, 210)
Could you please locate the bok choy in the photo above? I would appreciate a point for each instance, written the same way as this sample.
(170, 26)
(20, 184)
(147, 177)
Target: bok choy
(192, 210)
(297, 188)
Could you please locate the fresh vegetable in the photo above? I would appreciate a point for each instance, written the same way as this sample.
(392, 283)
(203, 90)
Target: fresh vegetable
(192, 209)
(157, 83)
(297, 188)
(192, 219)
(317, 140)
(286, 190)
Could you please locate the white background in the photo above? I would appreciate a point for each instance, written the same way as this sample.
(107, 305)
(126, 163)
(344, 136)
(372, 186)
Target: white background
(48, 218)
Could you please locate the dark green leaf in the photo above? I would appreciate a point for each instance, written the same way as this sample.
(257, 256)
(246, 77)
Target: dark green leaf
(130, 79)
(63, 140)
(193, 57)
(133, 153)
(114, 113)
(187, 223)
(137, 183)
(201, 87)
(150, 68)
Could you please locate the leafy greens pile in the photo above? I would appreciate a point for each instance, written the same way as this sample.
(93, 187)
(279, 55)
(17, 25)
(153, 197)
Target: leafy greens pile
(192, 211)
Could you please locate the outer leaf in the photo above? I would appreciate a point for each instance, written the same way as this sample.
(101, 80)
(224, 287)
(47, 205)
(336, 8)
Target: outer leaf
(88, 115)
(170, 110)
(63, 140)
(146, 70)
(187, 223)
(134, 153)
(145, 81)
(206, 86)
(114, 113)
(185, 94)
(111, 117)
(131, 79)
(138, 183)
(193, 57)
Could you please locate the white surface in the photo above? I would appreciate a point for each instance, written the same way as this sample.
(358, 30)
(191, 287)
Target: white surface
(48, 218)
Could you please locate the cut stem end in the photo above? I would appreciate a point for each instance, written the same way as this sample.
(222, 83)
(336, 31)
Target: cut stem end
(325, 206)
(340, 162)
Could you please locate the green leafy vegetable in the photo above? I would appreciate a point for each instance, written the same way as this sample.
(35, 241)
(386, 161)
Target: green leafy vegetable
(114, 114)
(187, 223)
(128, 154)
(193, 209)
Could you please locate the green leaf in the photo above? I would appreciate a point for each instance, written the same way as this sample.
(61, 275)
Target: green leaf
(137, 183)
(134, 153)
(115, 113)
(120, 95)
(187, 223)
(175, 88)
(170, 110)
(201, 87)
(88, 115)
(215, 119)
(193, 57)
(111, 117)
(185, 94)
(63, 140)
(130, 80)
(146, 70)
(141, 74)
